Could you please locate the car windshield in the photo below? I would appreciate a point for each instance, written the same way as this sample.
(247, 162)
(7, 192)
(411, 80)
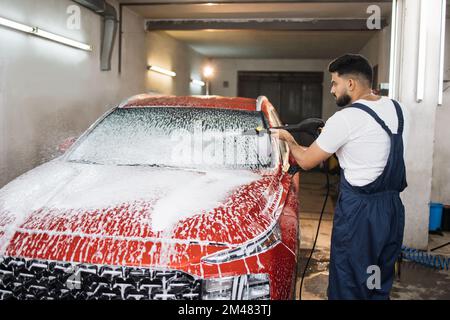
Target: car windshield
(198, 138)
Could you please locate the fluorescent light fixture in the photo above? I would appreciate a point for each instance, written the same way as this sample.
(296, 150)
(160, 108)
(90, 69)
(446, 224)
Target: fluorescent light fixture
(393, 52)
(63, 40)
(44, 34)
(198, 82)
(15, 25)
(161, 70)
(384, 86)
(422, 54)
(442, 51)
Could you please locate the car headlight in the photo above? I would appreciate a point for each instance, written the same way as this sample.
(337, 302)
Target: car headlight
(261, 244)
(244, 287)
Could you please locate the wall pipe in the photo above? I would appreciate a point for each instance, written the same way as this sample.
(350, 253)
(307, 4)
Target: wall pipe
(109, 28)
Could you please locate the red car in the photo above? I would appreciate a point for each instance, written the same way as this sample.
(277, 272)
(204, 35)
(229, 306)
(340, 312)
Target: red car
(163, 197)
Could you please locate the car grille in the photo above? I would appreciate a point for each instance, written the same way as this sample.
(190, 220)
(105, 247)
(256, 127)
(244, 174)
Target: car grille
(29, 279)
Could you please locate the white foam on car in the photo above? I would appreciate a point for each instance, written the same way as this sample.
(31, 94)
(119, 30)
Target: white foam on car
(198, 195)
(30, 192)
(179, 194)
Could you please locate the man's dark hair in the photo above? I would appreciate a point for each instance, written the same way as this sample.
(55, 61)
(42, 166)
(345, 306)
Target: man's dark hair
(354, 64)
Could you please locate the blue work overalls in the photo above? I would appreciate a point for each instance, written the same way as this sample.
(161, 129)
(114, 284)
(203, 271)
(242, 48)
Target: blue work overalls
(368, 226)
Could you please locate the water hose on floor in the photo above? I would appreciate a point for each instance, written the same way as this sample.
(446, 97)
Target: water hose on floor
(317, 232)
(424, 258)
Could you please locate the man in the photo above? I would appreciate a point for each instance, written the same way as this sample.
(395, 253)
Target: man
(367, 137)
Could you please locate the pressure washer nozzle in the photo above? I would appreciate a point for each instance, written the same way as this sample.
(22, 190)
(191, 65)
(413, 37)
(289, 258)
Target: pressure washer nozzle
(257, 131)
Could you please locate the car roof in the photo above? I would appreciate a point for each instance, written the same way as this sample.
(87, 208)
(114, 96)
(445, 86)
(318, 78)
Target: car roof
(219, 102)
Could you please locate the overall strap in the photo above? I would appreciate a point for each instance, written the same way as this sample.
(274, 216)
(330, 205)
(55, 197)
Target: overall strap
(401, 121)
(374, 116)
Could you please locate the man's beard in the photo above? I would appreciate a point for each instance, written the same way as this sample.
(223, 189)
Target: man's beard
(343, 100)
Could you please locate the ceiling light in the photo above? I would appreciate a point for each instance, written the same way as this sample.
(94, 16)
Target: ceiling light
(208, 72)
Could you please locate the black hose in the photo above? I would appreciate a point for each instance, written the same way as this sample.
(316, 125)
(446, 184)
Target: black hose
(317, 232)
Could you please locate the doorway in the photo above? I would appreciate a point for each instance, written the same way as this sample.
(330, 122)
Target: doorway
(295, 95)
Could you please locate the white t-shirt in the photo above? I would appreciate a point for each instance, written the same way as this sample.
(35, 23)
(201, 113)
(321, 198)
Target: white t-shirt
(360, 143)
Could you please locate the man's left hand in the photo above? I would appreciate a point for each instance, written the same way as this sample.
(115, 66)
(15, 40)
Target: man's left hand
(282, 135)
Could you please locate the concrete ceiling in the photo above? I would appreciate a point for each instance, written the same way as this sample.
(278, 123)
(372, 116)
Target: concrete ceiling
(265, 43)
(258, 10)
(273, 44)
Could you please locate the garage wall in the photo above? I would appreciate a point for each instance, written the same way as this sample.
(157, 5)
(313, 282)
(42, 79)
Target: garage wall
(377, 52)
(166, 52)
(227, 70)
(49, 91)
(440, 191)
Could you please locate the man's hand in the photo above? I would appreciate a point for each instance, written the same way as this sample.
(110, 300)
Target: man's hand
(307, 158)
(282, 135)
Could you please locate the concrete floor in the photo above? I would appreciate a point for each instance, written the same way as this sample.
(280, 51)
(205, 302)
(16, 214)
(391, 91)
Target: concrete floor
(415, 282)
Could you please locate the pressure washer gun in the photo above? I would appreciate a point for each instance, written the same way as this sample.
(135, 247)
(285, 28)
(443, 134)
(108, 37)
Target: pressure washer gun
(312, 126)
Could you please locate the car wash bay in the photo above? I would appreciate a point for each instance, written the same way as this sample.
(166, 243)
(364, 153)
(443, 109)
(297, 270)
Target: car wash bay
(281, 49)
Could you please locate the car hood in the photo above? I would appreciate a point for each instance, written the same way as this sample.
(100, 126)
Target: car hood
(57, 205)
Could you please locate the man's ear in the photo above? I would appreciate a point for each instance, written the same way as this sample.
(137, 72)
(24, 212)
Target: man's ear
(351, 84)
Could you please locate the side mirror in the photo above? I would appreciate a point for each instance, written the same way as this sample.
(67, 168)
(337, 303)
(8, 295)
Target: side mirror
(66, 144)
(292, 161)
(293, 165)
